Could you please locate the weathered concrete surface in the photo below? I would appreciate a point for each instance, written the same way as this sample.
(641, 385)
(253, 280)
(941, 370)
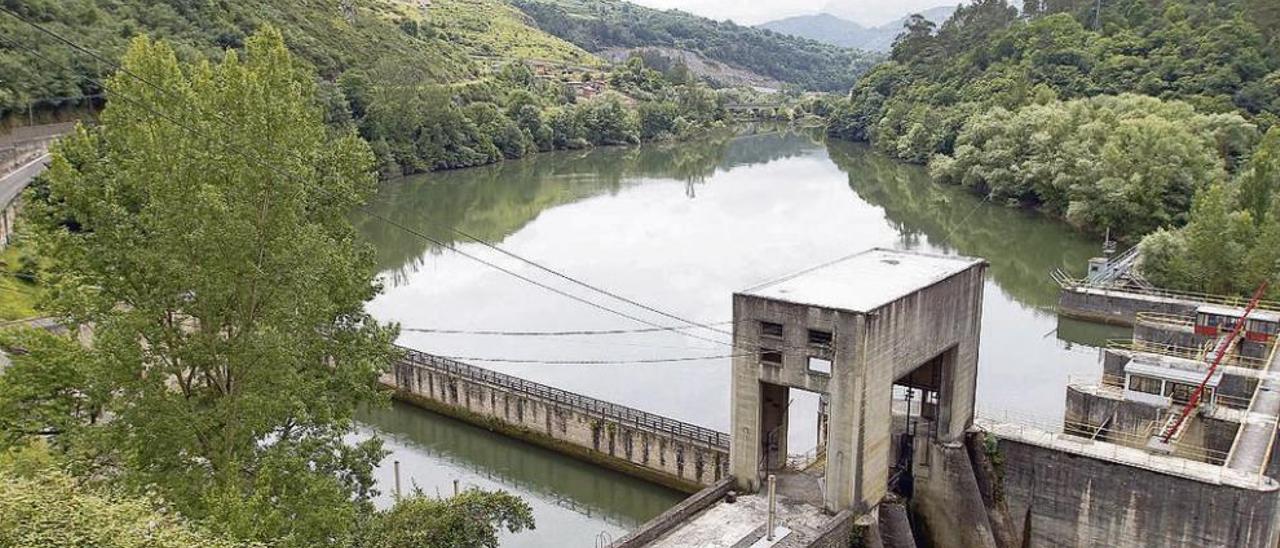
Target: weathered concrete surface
(678, 514)
(887, 328)
(664, 451)
(1117, 307)
(895, 526)
(727, 525)
(1254, 443)
(1078, 498)
(949, 501)
(1005, 531)
(839, 532)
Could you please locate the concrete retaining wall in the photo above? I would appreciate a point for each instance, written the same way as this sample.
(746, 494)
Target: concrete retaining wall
(665, 451)
(1065, 499)
(839, 532)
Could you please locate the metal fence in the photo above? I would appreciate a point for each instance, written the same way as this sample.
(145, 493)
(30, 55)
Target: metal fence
(619, 413)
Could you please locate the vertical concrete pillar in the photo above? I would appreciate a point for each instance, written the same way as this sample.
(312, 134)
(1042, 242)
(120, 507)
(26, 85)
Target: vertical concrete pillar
(960, 364)
(744, 411)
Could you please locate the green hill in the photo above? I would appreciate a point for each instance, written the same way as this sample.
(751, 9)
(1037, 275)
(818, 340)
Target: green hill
(1220, 56)
(440, 41)
(605, 24)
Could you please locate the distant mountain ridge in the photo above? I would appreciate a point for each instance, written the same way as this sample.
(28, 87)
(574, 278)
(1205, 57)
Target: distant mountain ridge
(830, 29)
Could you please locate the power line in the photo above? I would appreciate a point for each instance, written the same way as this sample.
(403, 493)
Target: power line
(375, 216)
(585, 284)
(568, 333)
(593, 362)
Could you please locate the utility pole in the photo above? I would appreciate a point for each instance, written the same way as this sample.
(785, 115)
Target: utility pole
(1097, 17)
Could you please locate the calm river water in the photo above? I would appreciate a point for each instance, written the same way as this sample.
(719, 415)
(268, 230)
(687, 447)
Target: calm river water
(680, 227)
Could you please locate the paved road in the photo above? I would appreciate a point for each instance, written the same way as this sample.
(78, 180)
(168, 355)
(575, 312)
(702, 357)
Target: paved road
(12, 184)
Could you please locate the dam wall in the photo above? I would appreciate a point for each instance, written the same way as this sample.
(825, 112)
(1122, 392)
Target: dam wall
(1080, 494)
(655, 448)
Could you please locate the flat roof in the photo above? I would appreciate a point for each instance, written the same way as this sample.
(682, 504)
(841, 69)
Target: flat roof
(1233, 312)
(865, 281)
(1173, 374)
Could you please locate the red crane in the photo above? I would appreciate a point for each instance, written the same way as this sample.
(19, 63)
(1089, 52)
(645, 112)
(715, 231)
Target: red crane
(1220, 352)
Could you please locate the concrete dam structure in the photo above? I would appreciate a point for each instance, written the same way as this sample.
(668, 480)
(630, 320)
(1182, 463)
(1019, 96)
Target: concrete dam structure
(889, 342)
(662, 450)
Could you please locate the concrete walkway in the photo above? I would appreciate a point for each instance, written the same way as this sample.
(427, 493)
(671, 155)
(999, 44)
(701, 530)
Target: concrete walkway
(1253, 443)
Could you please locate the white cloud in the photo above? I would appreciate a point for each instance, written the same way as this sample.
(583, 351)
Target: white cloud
(752, 12)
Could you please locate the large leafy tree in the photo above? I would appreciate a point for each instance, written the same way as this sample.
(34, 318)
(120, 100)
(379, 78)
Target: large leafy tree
(201, 229)
(1232, 242)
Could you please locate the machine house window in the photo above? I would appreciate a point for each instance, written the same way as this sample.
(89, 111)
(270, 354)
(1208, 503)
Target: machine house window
(820, 338)
(1179, 392)
(1146, 385)
(769, 356)
(770, 330)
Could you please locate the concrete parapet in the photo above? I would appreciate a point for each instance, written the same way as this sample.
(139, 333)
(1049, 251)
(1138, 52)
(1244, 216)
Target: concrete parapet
(1117, 307)
(677, 515)
(839, 532)
(658, 449)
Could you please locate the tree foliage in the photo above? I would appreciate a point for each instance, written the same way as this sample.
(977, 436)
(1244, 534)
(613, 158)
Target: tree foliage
(1126, 163)
(226, 289)
(600, 24)
(1232, 242)
(52, 510)
(415, 126)
(470, 519)
(1215, 55)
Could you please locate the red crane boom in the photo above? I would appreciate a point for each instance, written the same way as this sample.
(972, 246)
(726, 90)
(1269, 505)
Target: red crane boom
(1221, 352)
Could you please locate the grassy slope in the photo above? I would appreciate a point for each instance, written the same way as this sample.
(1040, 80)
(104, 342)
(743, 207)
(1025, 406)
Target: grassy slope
(18, 297)
(493, 27)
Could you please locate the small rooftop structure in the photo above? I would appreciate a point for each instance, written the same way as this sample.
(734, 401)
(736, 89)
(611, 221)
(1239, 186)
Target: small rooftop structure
(865, 281)
(1236, 312)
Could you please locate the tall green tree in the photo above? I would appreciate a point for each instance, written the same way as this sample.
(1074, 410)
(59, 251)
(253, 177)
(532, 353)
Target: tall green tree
(202, 229)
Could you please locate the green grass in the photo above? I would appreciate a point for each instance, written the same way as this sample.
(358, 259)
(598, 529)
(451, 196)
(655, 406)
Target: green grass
(18, 297)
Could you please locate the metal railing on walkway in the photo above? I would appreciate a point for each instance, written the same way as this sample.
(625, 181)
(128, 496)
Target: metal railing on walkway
(620, 413)
(1065, 281)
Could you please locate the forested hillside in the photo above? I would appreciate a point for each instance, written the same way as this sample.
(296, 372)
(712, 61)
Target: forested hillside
(332, 35)
(1121, 120)
(600, 24)
(430, 86)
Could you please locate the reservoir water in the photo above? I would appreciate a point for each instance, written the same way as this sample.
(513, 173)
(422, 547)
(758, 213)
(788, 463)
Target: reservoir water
(679, 227)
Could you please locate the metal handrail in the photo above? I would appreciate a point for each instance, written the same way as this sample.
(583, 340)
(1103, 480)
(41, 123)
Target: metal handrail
(1184, 352)
(1160, 318)
(1067, 282)
(609, 410)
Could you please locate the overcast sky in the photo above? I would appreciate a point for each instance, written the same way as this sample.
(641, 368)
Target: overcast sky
(751, 12)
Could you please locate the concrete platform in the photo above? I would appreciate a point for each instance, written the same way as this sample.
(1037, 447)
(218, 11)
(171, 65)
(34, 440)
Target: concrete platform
(1129, 456)
(742, 524)
(1252, 447)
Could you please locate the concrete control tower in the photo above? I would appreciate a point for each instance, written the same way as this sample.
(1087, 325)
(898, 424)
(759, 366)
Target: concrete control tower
(850, 330)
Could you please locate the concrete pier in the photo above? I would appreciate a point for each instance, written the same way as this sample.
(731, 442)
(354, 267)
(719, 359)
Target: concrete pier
(659, 449)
